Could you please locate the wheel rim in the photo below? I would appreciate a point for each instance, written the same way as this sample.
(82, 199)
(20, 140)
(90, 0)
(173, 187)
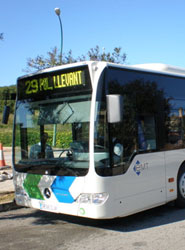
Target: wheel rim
(182, 185)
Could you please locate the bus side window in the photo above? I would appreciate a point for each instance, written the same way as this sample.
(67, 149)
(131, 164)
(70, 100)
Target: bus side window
(146, 133)
(175, 130)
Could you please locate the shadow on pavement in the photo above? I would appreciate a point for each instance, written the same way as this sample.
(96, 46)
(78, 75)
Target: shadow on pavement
(152, 218)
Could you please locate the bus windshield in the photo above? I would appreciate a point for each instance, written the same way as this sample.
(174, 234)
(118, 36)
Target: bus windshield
(51, 136)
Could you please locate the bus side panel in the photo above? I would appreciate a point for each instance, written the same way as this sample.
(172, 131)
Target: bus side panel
(140, 188)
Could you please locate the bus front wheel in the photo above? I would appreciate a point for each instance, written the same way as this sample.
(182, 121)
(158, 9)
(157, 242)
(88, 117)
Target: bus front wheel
(180, 202)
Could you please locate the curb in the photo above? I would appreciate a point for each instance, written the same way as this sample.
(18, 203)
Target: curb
(9, 206)
(5, 167)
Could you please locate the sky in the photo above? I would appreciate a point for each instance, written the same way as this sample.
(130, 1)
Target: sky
(148, 31)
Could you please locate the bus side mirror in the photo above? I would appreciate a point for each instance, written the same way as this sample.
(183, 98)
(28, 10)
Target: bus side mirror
(114, 108)
(6, 113)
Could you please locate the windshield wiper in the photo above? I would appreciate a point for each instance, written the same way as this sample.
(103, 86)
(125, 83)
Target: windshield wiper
(69, 170)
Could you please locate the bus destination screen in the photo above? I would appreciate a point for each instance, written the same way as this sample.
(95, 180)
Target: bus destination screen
(63, 81)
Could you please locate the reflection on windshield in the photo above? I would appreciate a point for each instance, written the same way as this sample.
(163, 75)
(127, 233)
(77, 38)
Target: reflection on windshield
(55, 114)
(53, 137)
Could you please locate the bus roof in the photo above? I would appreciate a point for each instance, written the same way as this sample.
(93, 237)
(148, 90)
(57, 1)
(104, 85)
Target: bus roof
(158, 68)
(161, 68)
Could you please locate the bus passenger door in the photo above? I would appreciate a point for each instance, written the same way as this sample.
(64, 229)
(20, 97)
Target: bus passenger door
(147, 167)
(147, 173)
(143, 180)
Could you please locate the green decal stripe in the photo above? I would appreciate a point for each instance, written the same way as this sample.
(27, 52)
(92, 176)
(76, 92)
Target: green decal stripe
(31, 186)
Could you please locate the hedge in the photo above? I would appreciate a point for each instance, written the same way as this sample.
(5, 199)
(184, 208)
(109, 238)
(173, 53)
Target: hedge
(63, 139)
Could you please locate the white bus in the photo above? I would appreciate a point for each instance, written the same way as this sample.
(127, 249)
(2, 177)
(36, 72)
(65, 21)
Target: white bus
(100, 140)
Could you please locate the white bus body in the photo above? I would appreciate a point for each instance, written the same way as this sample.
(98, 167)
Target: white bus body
(100, 168)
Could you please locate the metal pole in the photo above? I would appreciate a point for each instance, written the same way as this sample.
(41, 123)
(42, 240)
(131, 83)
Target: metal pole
(61, 46)
(57, 11)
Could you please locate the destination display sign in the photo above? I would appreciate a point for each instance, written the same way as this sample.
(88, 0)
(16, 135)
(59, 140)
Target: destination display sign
(63, 81)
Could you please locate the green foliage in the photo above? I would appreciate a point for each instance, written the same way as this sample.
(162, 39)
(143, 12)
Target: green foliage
(63, 139)
(6, 131)
(6, 137)
(95, 54)
(53, 58)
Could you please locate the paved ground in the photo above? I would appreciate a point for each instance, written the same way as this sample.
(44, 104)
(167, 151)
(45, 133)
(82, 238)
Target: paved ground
(6, 184)
(162, 228)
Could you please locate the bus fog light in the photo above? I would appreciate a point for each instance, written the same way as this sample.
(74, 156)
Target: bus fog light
(95, 198)
(84, 198)
(99, 198)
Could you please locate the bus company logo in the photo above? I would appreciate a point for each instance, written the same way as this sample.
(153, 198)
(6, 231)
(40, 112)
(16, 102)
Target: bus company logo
(139, 167)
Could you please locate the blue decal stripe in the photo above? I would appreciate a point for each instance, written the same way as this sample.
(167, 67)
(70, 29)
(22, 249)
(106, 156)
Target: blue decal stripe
(60, 188)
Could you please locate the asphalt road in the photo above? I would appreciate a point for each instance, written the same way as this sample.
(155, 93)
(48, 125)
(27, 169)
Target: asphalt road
(161, 228)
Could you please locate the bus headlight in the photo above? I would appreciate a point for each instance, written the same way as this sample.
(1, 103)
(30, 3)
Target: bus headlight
(95, 198)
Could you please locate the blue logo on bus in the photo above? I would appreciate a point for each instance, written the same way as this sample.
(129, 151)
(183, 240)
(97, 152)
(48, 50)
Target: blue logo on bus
(139, 167)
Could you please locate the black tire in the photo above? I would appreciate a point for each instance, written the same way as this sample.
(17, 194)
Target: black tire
(180, 201)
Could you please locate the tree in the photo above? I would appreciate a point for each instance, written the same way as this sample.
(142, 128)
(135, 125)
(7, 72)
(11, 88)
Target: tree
(1, 36)
(53, 58)
(114, 57)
